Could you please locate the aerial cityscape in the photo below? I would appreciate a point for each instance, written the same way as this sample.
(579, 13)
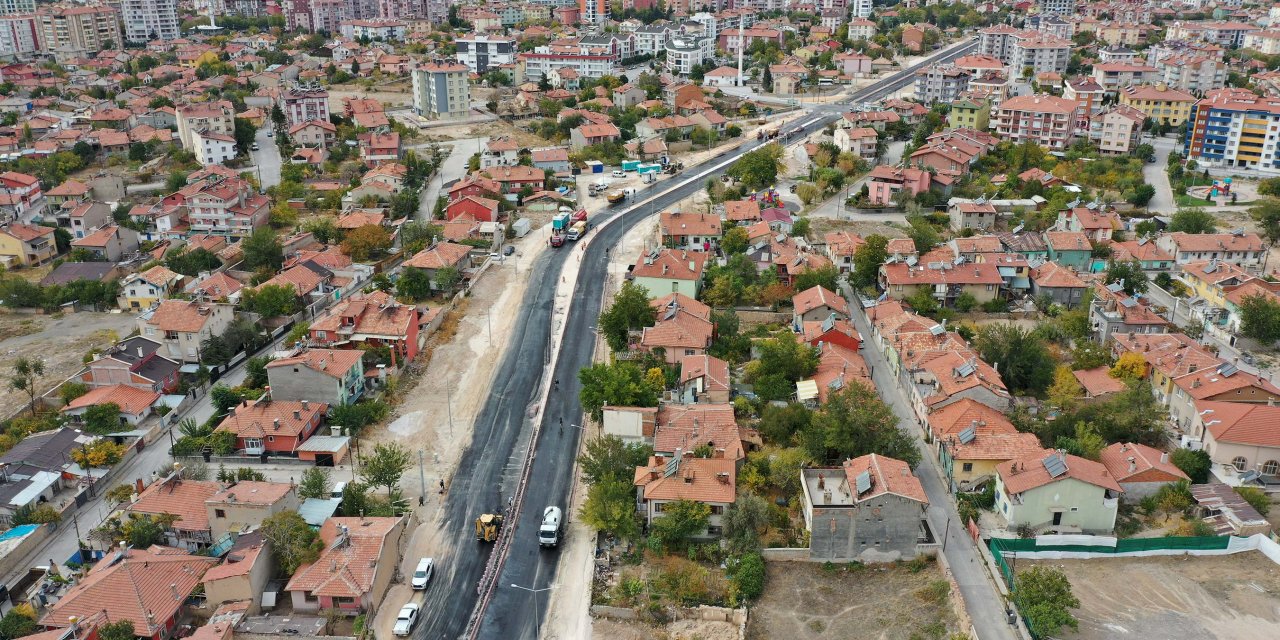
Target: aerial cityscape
(639, 319)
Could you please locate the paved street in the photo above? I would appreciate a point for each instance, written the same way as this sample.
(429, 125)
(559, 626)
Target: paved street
(1155, 175)
(453, 168)
(982, 600)
(266, 160)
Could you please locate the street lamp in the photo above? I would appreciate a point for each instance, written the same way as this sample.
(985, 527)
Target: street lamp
(537, 615)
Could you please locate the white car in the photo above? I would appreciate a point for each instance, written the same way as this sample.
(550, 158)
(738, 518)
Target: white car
(619, 173)
(405, 621)
(422, 574)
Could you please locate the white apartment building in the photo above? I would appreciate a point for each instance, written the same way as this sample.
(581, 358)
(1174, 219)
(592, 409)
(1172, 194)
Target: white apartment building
(940, 83)
(17, 7)
(386, 30)
(213, 148)
(686, 52)
(1191, 71)
(305, 105)
(147, 20)
(651, 38)
(1042, 52)
(1048, 121)
(1117, 129)
(587, 63)
(19, 36)
(208, 118)
(860, 8)
(1057, 7)
(483, 52)
(594, 13)
(80, 30)
(441, 90)
(997, 42)
(861, 29)
(1265, 42)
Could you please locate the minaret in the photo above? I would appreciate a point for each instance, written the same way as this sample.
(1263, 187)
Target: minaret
(741, 46)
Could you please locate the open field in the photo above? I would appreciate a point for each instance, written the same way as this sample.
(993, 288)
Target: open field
(1234, 597)
(804, 601)
(60, 340)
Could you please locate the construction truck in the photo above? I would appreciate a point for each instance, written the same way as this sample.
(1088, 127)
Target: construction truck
(487, 527)
(616, 197)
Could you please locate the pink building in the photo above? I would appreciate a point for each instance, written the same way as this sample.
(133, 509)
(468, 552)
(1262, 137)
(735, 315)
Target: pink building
(884, 181)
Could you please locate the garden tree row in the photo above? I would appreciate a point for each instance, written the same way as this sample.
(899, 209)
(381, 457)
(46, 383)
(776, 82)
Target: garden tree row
(738, 281)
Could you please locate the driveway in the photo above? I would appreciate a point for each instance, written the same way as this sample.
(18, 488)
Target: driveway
(1155, 175)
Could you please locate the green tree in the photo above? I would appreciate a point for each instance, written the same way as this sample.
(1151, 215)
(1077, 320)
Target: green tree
(368, 241)
(824, 276)
(355, 500)
(103, 418)
(314, 484)
(619, 384)
(244, 134)
(1267, 214)
(293, 542)
(1043, 595)
(1260, 318)
(447, 278)
(854, 422)
(1257, 498)
(26, 378)
(748, 579)
(414, 284)
(262, 250)
(744, 522)
(416, 236)
(1194, 463)
(782, 362)
(1130, 271)
(867, 260)
(680, 521)
(270, 301)
(781, 424)
(386, 465)
(758, 169)
(17, 623)
(143, 530)
(1022, 359)
(735, 241)
(608, 458)
(630, 311)
(118, 630)
(191, 263)
(611, 507)
(1193, 220)
(255, 376)
(1141, 195)
(922, 232)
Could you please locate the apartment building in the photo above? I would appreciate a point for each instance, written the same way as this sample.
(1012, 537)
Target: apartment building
(997, 42)
(1160, 102)
(686, 52)
(1043, 119)
(594, 13)
(1192, 71)
(19, 36)
(650, 38)
(441, 90)
(1235, 128)
(1057, 7)
(1041, 53)
(305, 105)
(482, 52)
(373, 29)
(1220, 32)
(221, 205)
(147, 20)
(213, 148)
(209, 118)
(80, 30)
(860, 8)
(1265, 42)
(1114, 76)
(940, 83)
(1117, 129)
(17, 7)
(589, 63)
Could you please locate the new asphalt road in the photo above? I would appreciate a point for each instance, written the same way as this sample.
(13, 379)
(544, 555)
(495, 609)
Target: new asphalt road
(490, 468)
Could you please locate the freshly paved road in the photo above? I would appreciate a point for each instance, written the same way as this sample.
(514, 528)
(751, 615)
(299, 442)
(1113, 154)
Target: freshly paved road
(487, 474)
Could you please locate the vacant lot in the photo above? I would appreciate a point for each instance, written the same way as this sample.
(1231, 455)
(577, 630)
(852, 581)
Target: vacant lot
(805, 601)
(60, 340)
(1234, 597)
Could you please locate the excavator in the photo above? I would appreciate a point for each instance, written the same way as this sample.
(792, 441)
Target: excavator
(487, 527)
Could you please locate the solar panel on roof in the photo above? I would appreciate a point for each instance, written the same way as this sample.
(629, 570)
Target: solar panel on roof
(863, 482)
(781, 237)
(653, 255)
(1142, 241)
(1227, 369)
(1211, 267)
(965, 369)
(672, 310)
(673, 465)
(968, 434)
(1115, 287)
(1128, 303)
(829, 323)
(958, 261)
(937, 330)
(1250, 475)
(1055, 465)
(911, 261)
(1018, 229)
(836, 384)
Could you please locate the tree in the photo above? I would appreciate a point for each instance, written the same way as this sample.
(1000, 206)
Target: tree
(1260, 318)
(314, 484)
(781, 424)
(630, 311)
(1193, 220)
(1022, 359)
(244, 134)
(191, 263)
(270, 301)
(102, 453)
(1130, 273)
(386, 465)
(1043, 595)
(293, 542)
(323, 228)
(767, 80)
(1141, 195)
(1065, 389)
(102, 418)
(118, 630)
(36, 514)
(414, 284)
(681, 520)
(1130, 366)
(824, 276)
(26, 377)
(867, 260)
(608, 458)
(143, 530)
(922, 233)
(808, 193)
(1194, 463)
(618, 384)
(1267, 215)
(18, 623)
(262, 250)
(365, 242)
(416, 236)
(744, 522)
(758, 169)
(855, 422)
(611, 507)
(447, 278)
(735, 241)
(748, 579)
(1257, 498)
(255, 376)
(782, 362)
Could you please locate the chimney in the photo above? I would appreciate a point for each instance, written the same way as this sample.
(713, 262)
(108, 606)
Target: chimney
(275, 424)
(1133, 464)
(692, 266)
(719, 453)
(1164, 457)
(173, 586)
(688, 455)
(722, 477)
(822, 481)
(297, 415)
(139, 352)
(305, 405)
(1195, 384)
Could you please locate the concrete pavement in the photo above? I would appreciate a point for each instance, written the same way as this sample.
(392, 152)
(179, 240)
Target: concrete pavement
(266, 160)
(1155, 175)
(981, 597)
(453, 168)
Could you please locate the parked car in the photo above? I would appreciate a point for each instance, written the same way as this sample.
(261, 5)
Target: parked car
(405, 621)
(1246, 357)
(619, 173)
(508, 250)
(271, 134)
(422, 574)
(254, 146)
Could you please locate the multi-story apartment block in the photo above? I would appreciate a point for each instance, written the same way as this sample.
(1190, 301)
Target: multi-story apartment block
(483, 52)
(1235, 128)
(1160, 102)
(594, 13)
(80, 30)
(1226, 34)
(1117, 129)
(940, 83)
(1057, 7)
(305, 105)
(1265, 42)
(1087, 95)
(1192, 71)
(210, 117)
(1114, 76)
(147, 20)
(222, 205)
(17, 7)
(860, 8)
(381, 29)
(1122, 33)
(861, 29)
(686, 52)
(997, 42)
(651, 38)
(1039, 52)
(589, 63)
(19, 36)
(441, 90)
(1046, 120)
(213, 148)
(1117, 53)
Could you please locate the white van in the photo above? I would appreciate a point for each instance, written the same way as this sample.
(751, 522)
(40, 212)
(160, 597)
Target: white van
(549, 531)
(337, 490)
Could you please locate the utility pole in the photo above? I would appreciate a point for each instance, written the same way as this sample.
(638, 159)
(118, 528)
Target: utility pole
(422, 477)
(449, 404)
(537, 615)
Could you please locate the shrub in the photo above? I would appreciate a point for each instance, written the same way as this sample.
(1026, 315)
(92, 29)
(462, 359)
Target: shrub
(748, 581)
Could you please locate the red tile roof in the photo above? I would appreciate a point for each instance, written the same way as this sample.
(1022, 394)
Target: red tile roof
(1148, 465)
(443, 254)
(688, 426)
(180, 315)
(671, 264)
(182, 498)
(347, 570)
(817, 297)
(258, 419)
(131, 400)
(713, 370)
(1031, 472)
(332, 362)
(707, 480)
(888, 475)
(1098, 381)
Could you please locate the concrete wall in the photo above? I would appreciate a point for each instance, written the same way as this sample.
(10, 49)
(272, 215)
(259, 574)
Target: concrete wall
(882, 529)
(1135, 491)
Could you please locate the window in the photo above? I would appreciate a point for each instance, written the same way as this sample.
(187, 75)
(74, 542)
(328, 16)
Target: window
(1270, 467)
(717, 510)
(968, 466)
(219, 513)
(658, 507)
(1239, 463)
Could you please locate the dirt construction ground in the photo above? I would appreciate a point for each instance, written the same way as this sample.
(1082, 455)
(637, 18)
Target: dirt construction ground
(1235, 597)
(804, 601)
(59, 340)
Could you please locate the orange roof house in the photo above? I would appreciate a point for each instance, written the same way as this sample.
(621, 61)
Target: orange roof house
(184, 499)
(356, 568)
(1141, 470)
(710, 481)
(973, 438)
(278, 426)
(1056, 491)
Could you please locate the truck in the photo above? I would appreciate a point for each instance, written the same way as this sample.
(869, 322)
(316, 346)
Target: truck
(616, 197)
(578, 230)
(557, 240)
(648, 178)
(645, 169)
(487, 527)
(549, 531)
(560, 222)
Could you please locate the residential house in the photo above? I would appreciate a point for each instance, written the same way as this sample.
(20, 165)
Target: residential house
(691, 231)
(135, 361)
(147, 587)
(1098, 383)
(110, 243)
(1223, 382)
(334, 377)
(176, 496)
(81, 218)
(1141, 470)
(24, 245)
(273, 427)
(1043, 119)
(871, 509)
(243, 574)
(477, 208)
(146, 289)
(135, 404)
(371, 319)
(182, 326)
(679, 333)
(839, 364)
(320, 133)
(1238, 248)
(242, 506)
(943, 281)
(1241, 436)
(663, 271)
(1060, 283)
(1057, 492)
(817, 304)
(940, 377)
(841, 247)
(885, 181)
(709, 481)
(979, 215)
(1070, 249)
(704, 378)
(379, 148)
(861, 141)
(634, 425)
(971, 438)
(356, 568)
(588, 135)
(1112, 312)
(440, 257)
(1146, 251)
